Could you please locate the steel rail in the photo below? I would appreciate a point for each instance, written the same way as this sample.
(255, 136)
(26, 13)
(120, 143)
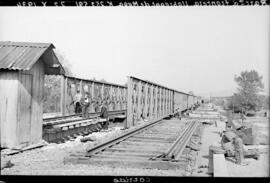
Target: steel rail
(78, 115)
(170, 152)
(75, 115)
(60, 117)
(178, 152)
(120, 138)
(49, 123)
(205, 118)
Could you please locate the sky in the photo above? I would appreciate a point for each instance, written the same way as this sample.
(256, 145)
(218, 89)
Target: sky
(197, 49)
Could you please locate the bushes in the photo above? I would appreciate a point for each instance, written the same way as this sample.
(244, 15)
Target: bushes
(51, 102)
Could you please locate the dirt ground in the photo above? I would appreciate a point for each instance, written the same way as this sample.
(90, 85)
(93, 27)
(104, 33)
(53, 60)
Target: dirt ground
(210, 137)
(255, 168)
(260, 125)
(48, 160)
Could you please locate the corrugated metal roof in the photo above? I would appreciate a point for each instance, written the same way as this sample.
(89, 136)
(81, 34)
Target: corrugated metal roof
(21, 55)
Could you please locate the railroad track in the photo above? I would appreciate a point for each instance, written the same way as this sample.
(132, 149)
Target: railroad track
(144, 146)
(63, 128)
(77, 117)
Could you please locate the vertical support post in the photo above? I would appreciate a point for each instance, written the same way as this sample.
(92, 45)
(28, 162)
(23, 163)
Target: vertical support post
(102, 92)
(146, 100)
(156, 103)
(161, 102)
(118, 99)
(167, 102)
(172, 97)
(81, 88)
(160, 99)
(171, 102)
(129, 120)
(111, 97)
(187, 101)
(93, 97)
(151, 102)
(66, 96)
(125, 94)
(164, 101)
(139, 100)
(92, 90)
(125, 98)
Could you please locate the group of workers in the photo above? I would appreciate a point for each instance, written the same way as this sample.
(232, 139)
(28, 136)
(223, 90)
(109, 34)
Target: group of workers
(81, 105)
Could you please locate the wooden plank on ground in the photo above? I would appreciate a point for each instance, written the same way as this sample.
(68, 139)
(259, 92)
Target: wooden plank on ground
(261, 148)
(162, 165)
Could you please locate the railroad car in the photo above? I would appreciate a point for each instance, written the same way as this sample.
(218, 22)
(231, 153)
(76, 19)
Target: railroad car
(180, 101)
(114, 95)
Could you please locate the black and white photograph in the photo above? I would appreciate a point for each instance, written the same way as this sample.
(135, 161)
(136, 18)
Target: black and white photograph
(165, 90)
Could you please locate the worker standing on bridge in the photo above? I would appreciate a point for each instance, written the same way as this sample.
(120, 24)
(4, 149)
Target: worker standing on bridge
(85, 105)
(104, 115)
(77, 102)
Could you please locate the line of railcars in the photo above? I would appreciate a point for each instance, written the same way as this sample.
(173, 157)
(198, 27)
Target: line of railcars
(184, 101)
(115, 95)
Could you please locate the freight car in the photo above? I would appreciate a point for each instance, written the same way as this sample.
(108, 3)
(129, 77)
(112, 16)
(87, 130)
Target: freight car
(184, 101)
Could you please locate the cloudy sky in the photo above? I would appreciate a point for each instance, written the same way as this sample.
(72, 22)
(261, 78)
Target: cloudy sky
(197, 49)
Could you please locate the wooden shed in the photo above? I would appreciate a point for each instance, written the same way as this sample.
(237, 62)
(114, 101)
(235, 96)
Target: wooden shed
(22, 70)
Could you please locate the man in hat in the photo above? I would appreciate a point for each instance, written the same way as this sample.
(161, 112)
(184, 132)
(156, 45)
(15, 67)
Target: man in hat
(85, 105)
(77, 102)
(239, 151)
(104, 115)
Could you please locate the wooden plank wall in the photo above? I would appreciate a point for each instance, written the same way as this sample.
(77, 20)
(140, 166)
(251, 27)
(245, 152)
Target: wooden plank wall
(147, 101)
(24, 109)
(114, 95)
(8, 108)
(37, 75)
(21, 106)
